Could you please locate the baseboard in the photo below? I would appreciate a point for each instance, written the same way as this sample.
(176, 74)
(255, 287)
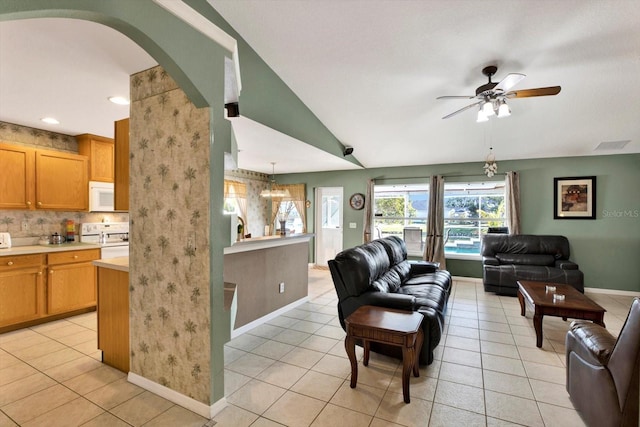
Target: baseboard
(244, 328)
(612, 292)
(474, 280)
(178, 398)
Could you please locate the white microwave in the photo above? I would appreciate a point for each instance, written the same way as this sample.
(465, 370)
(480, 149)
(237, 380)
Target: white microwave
(101, 196)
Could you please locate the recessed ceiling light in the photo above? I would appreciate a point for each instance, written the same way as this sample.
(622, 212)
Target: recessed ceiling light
(120, 100)
(50, 120)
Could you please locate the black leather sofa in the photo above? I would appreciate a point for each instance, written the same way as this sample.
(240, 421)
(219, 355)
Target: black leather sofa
(378, 273)
(507, 258)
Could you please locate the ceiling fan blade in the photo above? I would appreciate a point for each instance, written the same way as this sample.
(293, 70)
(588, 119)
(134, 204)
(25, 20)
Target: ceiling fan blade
(475, 104)
(456, 97)
(510, 81)
(527, 93)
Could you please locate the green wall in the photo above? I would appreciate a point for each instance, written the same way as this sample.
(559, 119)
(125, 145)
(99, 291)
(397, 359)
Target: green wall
(607, 248)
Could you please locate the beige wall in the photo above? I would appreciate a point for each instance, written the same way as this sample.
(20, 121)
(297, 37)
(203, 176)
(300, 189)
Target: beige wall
(169, 259)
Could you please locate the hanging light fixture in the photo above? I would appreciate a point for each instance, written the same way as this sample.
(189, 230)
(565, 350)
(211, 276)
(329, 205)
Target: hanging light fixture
(490, 165)
(503, 109)
(487, 107)
(272, 192)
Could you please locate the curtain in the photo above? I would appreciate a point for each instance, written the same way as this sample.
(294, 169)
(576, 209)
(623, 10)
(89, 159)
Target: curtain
(513, 202)
(238, 191)
(434, 248)
(299, 198)
(368, 212)
(275, 208)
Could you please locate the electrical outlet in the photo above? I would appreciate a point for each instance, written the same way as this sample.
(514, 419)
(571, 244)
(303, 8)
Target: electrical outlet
(25, 225)
(281, 288)
(353, 225)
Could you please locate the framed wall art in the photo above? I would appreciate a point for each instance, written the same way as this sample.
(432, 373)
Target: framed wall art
(574, 198)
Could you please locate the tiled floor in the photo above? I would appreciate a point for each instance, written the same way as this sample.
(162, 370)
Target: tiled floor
(294, 371)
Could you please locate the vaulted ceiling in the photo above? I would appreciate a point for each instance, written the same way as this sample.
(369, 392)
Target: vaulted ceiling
(371, 70)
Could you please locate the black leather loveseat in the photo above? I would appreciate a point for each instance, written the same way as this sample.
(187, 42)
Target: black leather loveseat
(378, 273)
(507, 258)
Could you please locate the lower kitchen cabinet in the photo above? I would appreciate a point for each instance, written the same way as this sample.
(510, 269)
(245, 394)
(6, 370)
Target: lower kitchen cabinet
(21, 289)
(71, 282)
(113, 317)
(37, 288)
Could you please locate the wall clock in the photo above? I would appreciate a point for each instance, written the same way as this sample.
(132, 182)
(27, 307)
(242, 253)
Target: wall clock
(357, 201)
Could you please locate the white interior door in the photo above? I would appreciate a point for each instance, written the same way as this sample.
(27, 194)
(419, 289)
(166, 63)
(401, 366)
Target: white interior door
(328, 225)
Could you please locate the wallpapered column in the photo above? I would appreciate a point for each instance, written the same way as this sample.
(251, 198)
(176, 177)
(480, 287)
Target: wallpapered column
(169, 257)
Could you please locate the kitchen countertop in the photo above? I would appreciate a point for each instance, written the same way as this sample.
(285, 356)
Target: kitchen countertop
(119, 263)
(266, 242)
(40, 249)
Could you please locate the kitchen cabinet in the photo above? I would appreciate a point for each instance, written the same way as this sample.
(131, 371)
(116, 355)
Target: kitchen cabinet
(100, 151)
(17, 187)
(61, 181)
(71, 282)
(121, 182)
(113, 317)
(22, 293)
(42, 179)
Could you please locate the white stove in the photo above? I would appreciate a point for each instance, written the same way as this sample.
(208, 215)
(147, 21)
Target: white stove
(113, 237)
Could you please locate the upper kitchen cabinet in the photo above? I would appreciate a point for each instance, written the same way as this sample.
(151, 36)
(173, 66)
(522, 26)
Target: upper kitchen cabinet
(100, 151)
(61, 181)
(17, 186)
(121, 183)
(42, 179)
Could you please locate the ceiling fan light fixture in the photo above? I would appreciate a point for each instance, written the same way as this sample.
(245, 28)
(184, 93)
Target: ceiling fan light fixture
(482, 117)
(504, 110)
(487, 108)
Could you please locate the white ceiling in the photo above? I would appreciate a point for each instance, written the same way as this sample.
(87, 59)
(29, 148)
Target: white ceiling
(370, 70)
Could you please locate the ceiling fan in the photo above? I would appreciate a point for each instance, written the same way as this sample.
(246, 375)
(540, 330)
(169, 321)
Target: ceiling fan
(492, 96)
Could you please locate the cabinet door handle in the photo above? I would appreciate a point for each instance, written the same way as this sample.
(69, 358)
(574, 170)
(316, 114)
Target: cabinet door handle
(50, 271)
(39, 273)
(10, 263)
(39, 203)
(28, 203)
(75, 257)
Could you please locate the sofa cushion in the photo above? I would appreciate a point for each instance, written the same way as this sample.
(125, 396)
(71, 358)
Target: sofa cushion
(389, 282)
(557, 246)
(526, 259)
(427, 296)
(440, 278)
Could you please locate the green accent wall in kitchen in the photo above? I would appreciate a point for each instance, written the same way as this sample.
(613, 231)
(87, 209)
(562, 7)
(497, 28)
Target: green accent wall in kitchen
(607, 248)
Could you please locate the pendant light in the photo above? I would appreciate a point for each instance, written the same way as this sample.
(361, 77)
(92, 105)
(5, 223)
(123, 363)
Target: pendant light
(272, 192)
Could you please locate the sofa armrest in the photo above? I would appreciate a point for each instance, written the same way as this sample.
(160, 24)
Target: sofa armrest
(590, 341)
(566, 264)
(423, 267)
(490, 260)
(389, 300)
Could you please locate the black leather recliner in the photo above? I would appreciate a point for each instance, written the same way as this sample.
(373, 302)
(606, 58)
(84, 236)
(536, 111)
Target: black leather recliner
(507, 258)
(378, 273)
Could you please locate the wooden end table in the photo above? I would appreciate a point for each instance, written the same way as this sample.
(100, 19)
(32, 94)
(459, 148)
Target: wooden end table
(575, 304)
(387, 326)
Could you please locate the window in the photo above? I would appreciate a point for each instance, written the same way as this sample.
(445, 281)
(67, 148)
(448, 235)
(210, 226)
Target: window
(293, 221)
(470, 208)
(401, 210)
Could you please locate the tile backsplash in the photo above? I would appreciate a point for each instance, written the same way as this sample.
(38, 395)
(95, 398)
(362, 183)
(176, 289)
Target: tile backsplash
(23, 223)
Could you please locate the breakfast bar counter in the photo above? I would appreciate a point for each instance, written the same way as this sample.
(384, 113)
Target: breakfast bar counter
(270, 274)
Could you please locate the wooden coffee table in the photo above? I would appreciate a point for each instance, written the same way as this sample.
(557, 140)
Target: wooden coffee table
(388, 326)
(541, 301)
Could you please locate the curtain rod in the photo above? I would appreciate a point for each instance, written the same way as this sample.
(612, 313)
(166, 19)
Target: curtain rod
(470, 175)
(427, 177)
